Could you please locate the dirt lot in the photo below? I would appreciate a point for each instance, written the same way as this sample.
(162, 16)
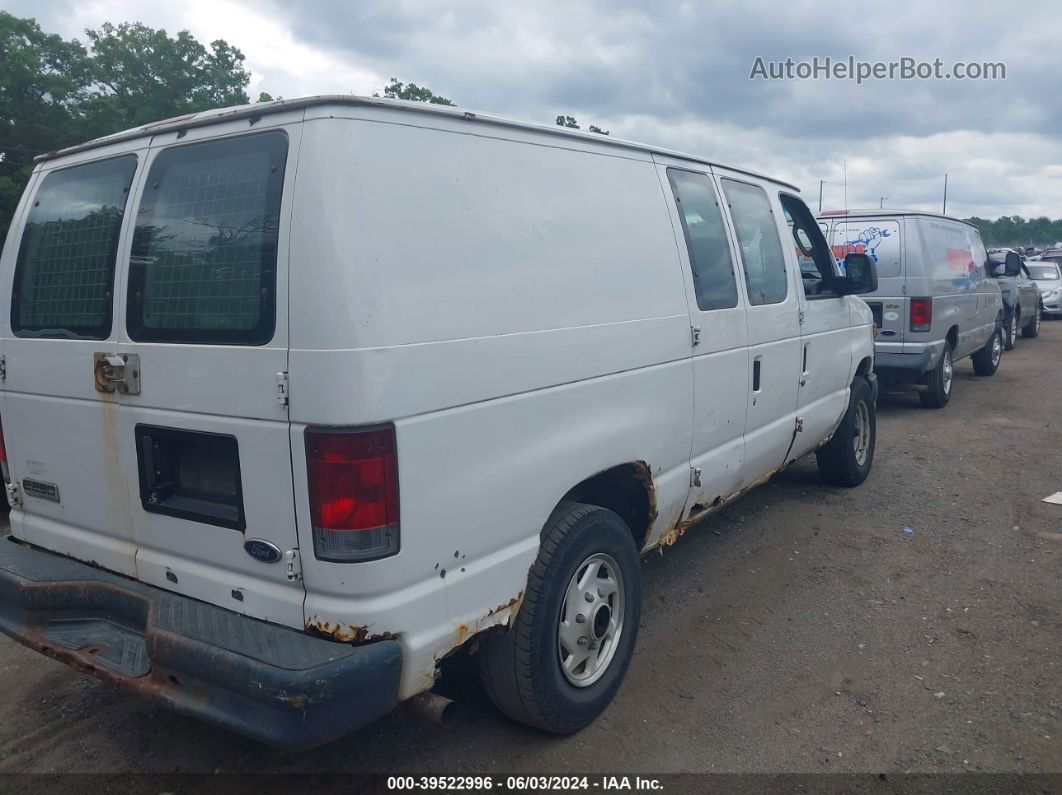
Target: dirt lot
(800, 630)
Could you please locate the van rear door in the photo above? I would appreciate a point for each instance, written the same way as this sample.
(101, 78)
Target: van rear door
(204, 329)
(61, 435)
(882, 240)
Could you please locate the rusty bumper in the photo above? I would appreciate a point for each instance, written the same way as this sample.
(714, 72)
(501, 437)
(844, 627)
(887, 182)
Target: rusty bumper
(272, 683)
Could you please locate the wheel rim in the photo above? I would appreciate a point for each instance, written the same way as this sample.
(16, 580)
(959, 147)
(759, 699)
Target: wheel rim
(997, 349)
(947, 371)
(591, 620)
(1014, 326)
(1036, 320)
(861, 433)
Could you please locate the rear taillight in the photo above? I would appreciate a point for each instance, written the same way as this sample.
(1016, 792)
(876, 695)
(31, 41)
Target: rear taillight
(921, 314)
(3, 455)
(353, 483)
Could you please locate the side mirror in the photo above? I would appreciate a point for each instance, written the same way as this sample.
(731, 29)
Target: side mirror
(860, 275)
(1013, 264)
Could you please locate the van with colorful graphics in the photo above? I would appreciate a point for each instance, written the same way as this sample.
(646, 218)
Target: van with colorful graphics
(935, 304)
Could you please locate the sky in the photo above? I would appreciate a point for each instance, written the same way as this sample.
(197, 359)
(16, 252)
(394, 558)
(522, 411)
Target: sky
(677, 75)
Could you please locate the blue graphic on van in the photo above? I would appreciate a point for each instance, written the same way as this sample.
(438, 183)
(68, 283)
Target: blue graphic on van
(866, 242)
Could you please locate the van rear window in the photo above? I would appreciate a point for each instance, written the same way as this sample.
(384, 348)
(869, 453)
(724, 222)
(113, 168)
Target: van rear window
(64, 274)
(203, 266)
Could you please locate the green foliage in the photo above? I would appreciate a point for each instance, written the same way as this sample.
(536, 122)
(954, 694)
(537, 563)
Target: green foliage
(413, 92)
(56, 93)
(1013, 230)
(570, 122)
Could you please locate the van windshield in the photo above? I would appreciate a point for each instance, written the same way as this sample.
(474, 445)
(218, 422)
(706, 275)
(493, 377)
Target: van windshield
(64, 274)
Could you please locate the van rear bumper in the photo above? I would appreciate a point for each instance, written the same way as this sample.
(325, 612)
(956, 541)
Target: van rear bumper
(902, 367)
(274, 684)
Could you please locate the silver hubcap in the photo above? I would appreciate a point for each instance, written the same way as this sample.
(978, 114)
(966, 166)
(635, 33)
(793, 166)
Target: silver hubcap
(1014, 327)
(1036, 320)
(997, 349)
(947, 371)
(591, 620)
(861, 433)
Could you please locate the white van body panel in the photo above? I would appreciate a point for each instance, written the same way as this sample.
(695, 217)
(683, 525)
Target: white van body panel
(515, 301)
(508, 360)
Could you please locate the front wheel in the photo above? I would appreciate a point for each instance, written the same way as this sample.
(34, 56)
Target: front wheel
(560, 664)
(846, 459)
(986, 360)
(1032, 328)
(1010, 334)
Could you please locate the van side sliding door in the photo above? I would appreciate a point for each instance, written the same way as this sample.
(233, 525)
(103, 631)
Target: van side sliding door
(718, 334)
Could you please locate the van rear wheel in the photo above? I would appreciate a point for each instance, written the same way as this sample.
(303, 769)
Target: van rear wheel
(560, 664)
(846, 459)
(938, 382)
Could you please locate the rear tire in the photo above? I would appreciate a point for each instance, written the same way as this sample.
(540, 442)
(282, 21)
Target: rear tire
(521, 668)
(939, 381)
(846, 459)
(1032, 329)
(986, 361)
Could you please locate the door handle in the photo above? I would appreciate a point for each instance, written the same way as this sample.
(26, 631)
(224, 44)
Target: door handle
(755, 375)
(114, 372)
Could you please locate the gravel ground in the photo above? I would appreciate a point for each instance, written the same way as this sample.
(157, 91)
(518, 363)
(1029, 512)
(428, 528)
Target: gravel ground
(800, 630)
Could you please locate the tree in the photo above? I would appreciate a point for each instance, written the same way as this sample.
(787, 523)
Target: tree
(413, 92)
(56, 93)
(141, 75)
(570, 122)
(42, 80)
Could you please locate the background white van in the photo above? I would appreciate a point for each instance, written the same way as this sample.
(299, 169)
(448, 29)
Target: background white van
(299, 398)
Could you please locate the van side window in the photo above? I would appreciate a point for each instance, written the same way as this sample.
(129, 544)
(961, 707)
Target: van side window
(203, 266)
(64, 274)
(761, 249)
(706, 241)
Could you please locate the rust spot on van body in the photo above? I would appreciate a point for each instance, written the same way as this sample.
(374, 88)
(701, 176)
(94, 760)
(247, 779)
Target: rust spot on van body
(644, 473)
(345, 633)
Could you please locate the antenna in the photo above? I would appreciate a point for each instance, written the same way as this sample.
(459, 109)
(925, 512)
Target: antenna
(844, 165)
(944, 211)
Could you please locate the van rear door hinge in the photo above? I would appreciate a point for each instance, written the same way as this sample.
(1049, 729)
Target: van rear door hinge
(800, 315)
(3, 368)
(695, 335)
(13, 495)
(695, 476)
(282, 388)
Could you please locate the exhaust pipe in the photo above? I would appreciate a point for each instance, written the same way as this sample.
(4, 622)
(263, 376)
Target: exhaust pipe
(434, 708)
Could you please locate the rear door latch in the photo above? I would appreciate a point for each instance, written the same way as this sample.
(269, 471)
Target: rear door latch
(116, 372)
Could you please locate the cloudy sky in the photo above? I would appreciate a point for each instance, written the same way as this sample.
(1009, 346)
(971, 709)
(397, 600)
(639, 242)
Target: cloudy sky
(677, 75)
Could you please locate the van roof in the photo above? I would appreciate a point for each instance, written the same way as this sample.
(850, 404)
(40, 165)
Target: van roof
(890, 212)
(259, 109)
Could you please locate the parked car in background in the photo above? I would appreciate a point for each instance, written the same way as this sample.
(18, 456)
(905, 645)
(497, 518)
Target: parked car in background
(1021, 295)
(1048, 277)
(934, 305)
(304, 396)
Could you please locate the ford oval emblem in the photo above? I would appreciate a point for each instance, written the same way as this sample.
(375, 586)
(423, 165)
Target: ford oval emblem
(262, 550)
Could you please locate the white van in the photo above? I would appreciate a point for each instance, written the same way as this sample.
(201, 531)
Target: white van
(300, 398)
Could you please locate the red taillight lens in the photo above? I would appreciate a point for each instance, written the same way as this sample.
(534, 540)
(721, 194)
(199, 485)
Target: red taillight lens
(921, 314)
(3, 456)
(353, 480)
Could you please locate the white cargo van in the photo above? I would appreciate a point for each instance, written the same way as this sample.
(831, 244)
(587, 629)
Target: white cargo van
(300, 398)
